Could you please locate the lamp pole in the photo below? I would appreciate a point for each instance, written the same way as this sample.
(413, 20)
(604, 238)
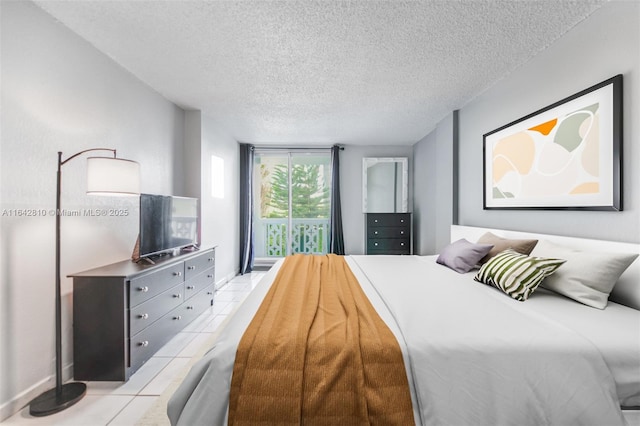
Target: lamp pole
(62, 396)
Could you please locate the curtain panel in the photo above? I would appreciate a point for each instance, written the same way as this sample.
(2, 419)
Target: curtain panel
(336, 237)
(246, 208)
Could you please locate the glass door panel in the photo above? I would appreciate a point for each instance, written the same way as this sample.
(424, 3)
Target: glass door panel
(291, 203)
(311, 202)
(270, 204)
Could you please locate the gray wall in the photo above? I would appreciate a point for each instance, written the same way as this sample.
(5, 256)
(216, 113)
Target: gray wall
(605, 44)
(60, 94)
(434, 196)
(351, 189)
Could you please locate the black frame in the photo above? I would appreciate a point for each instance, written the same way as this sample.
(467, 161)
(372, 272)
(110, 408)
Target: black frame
(616, 83)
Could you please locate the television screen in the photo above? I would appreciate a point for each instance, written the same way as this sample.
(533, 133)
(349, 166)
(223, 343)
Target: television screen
(167, 223)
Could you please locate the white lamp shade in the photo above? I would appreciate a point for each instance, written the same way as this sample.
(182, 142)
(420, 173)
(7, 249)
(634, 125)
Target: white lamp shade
(112, 176)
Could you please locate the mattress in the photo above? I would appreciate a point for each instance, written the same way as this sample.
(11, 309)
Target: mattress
(472, 355)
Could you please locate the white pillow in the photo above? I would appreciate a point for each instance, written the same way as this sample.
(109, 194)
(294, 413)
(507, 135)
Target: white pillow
(587, 277)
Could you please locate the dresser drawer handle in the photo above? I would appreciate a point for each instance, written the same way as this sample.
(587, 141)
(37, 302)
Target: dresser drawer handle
(375, 220)
(209, 276)
(375, 244)
(401, 220)
(189, 307)
(401, 232)
(191, 287)
(143, 289)
(143, 316)
(178, 317)
(376, 232)
(177, 296)
(144, 343)
(191, 268)
(210, 259)
(177, 274)
(210, 293)
(401, 244)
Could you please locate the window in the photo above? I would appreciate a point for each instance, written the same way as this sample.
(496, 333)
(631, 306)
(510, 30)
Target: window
(291, 203)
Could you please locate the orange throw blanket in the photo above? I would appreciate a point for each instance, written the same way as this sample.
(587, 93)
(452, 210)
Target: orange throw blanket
(317, 353)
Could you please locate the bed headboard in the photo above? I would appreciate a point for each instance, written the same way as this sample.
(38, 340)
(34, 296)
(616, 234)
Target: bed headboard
(627, 289)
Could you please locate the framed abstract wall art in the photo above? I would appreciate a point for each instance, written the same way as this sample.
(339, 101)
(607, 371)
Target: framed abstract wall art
(567, 156)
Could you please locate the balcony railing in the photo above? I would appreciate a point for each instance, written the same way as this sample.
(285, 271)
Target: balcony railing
(309, 236)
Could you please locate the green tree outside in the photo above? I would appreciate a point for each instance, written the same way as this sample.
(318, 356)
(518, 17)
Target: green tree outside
(310, 192)
(310, 196)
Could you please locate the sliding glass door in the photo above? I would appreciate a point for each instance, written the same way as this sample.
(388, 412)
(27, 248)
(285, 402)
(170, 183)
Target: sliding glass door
(291, 203)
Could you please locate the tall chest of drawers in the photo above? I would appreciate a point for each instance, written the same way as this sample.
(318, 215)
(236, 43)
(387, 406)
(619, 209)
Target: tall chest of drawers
(388, 233)
(124, 312)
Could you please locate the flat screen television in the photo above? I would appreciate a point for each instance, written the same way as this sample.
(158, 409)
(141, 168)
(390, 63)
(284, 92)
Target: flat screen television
(167, 223)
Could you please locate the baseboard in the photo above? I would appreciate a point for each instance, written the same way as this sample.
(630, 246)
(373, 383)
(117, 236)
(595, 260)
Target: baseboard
(23, 399)
(222, 282)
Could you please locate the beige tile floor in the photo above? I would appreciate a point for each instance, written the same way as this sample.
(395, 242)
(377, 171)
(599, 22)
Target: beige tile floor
(124, 403)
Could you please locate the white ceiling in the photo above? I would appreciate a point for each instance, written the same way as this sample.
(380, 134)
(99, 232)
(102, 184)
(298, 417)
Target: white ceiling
(352, 72)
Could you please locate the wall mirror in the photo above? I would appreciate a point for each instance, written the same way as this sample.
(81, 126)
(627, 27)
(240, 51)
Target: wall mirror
(385, 185)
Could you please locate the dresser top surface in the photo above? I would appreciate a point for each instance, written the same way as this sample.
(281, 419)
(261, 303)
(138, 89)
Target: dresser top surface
(129, 268)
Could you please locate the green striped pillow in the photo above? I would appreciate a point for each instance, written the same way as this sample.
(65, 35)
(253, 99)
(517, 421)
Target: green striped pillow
(516, 274)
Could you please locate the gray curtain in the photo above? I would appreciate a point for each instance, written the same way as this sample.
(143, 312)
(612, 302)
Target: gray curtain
(246, 208)
(336, 237)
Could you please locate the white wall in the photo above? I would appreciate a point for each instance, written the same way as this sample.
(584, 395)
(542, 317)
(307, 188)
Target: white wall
(192, 154)
(434, 192)
(605, 44)
(221, 215)
(351, 189)
(61, 94)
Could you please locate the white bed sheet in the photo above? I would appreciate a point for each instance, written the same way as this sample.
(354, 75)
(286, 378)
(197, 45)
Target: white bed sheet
(460, 371)
(614, 331)
(478, 358)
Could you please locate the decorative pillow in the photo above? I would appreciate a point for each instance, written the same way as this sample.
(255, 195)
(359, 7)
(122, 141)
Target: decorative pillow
(587, 277)
(517, 275)
(501, 244)
(462, 256)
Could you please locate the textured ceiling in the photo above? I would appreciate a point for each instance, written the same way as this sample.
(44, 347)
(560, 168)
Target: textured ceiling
(353, 72)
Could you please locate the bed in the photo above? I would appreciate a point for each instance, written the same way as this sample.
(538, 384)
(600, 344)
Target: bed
(472, 354)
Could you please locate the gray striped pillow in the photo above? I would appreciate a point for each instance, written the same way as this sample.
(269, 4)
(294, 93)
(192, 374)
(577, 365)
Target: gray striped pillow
(516, 274)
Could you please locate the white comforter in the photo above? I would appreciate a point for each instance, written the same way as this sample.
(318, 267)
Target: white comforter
(473, 356)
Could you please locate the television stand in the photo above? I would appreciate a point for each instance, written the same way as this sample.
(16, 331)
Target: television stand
(124, 312)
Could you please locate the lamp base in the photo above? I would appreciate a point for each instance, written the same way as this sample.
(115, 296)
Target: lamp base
(51, 402)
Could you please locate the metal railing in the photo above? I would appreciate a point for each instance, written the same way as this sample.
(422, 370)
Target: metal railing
(309, 236)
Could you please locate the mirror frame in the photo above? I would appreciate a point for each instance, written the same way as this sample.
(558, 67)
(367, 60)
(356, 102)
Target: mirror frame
(371, 161)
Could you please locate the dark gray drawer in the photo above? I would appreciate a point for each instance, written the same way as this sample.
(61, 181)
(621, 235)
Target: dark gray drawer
(388, 219)
(387, 232)
(145, 287)
(199, 263)
(145, 314)
(196, 305)
(396, 244)
(199, 282)
(144, 344)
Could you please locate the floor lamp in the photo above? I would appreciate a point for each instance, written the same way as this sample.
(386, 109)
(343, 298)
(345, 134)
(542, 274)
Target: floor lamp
(106, 176)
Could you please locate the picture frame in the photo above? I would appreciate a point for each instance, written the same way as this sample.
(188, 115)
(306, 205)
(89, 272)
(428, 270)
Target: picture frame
(566, 156)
